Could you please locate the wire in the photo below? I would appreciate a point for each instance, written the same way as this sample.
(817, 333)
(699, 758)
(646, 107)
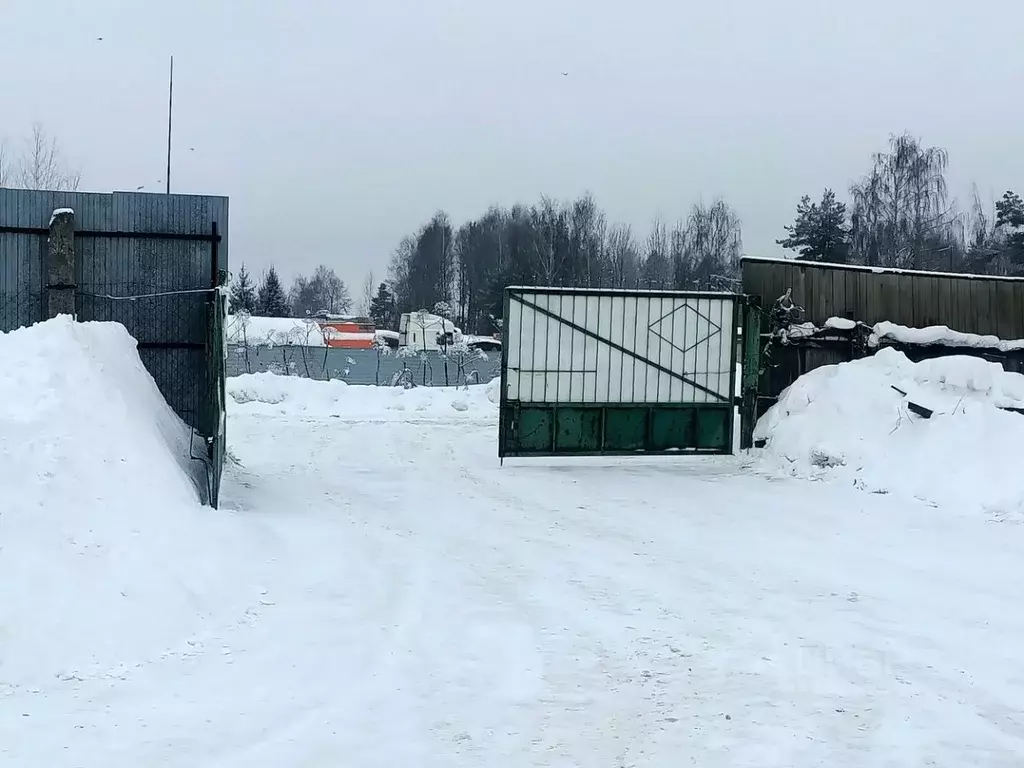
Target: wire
(147, 295)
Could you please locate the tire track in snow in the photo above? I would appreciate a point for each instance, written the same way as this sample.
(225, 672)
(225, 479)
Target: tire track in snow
(606, 594)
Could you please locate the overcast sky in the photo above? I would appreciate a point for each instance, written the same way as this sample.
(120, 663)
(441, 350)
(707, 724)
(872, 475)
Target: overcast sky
(338, 126)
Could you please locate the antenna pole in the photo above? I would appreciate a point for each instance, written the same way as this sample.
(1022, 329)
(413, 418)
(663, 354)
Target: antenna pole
(170, 114)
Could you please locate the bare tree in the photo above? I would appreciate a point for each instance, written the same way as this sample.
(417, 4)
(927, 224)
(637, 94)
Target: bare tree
(981, 228)
(656, 271)
(366, 296)
(424, 268)
(988, 249)
(478, 261)
(623, 257)
(586, 241)
(712, 246)
(323, 292)
(399, 273)
(334, 292)
(556, 243)
(900, 214)
(680, 258)
(5, 167)
(42, 166)
(550, 229)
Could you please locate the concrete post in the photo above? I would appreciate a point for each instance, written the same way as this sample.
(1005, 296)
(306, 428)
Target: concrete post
(60, 265)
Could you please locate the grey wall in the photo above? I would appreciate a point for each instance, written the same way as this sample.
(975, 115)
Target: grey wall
(360, 366)
(126, 245)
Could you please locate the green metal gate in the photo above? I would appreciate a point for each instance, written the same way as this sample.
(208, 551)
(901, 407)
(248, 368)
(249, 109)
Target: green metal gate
(591, 372)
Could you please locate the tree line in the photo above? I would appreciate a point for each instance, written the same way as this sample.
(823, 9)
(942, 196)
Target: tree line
(554, 243)
(321, 292)
(466, 270)
(899, 214)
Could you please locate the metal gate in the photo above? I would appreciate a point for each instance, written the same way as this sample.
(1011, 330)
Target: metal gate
(588, 372)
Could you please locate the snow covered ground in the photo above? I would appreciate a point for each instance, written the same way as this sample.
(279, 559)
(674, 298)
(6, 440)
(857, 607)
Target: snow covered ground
(380, 592)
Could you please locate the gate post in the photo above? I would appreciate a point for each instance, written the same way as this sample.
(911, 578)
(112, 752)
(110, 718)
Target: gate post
(751, 369)
(59, 293)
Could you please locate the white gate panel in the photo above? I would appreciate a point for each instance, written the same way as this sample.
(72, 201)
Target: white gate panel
(580, 346)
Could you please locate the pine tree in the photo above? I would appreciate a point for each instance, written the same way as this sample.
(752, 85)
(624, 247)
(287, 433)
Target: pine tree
(1010, 212)
(819, 232)
(243, 293)
(382, 306)
(271, 299)
(1010, 221)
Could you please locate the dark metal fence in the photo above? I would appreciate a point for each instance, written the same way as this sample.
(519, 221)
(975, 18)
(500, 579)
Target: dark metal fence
(153, 263)
(982, 305)
(784, 361)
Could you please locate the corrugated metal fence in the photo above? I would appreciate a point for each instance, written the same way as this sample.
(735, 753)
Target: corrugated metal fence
(981, 304)
(147, 261)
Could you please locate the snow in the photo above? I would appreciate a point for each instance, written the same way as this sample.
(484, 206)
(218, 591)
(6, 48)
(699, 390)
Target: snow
(106, 550)
(273, 331)
(798, 331)
(272, 395)
(840, 324)
(474, 339)
(846, 422)
(379, 591)
(59, 212)
(939, 334)
(333, 334)
(894, 333)
(879, 270)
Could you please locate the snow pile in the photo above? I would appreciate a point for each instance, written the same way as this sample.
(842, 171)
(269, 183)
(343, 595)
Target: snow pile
(893, 333)
(941, 335)
(106, 552)
(82, 416)
(840, 324)
(847, 422)
(805, 330)
(272, 394)
(60, 212)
